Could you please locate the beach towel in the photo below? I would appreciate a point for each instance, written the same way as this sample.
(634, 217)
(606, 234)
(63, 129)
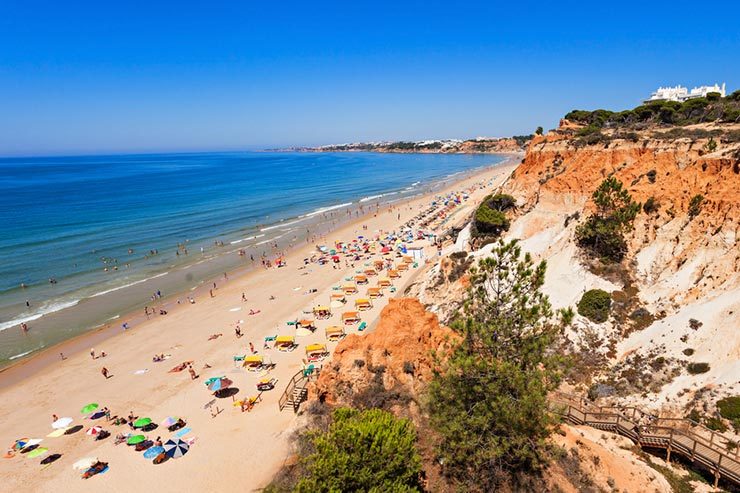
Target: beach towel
(183, 432)
(141, 372)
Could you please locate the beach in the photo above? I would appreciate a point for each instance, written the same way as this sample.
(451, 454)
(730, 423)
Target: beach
(230, 450)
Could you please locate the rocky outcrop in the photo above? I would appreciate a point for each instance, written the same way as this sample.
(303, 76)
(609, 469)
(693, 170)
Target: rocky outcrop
(388, 367)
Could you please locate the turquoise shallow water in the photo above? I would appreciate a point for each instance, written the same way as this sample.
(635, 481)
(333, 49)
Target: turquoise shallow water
(70, 218)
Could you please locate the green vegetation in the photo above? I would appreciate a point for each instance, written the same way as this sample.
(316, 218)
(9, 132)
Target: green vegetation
(539, 131)
(695, 205)
(603, 232)
(697, 368)
(594, 305)
(729, 407)
(369, 451)
(490, 217)
(697, 110)
(716, 424)
(650, 206)
(490, 404)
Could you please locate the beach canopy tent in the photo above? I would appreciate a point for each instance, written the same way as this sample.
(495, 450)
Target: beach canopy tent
(407, 260)
(384, 282)
(322, 311)
(374, 292)
(350, 317)
(335, 332)
(349, 289)
(361, 279)
(89, 408)
(285, 343)
(316, 352)
(393, 274)
(254, 362)
(338, 297)
(175, 449)
(61, 423)
(401, 267)
(370, 272)
(363, 304)
(306, 323)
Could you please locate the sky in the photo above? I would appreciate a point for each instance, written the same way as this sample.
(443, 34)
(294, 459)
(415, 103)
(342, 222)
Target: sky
(100, 77)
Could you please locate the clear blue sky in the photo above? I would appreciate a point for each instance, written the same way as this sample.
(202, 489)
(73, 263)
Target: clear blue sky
(130, 76)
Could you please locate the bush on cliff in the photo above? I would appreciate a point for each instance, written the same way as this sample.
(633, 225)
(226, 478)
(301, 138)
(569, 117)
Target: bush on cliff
(368, 450)
(602, 235)
(489, 405)
(729, 407)
(490, 217)
(594, 305)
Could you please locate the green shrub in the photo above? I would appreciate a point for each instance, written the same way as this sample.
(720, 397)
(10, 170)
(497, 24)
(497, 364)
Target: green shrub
(594, 305)
(650, 206)
(363, 451)
(695, 205)
(602, 234)
(715, 424)
(490, 217)
(729, 407)
(697, 368)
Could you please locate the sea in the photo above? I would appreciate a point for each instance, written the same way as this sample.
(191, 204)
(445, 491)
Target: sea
(87, 239)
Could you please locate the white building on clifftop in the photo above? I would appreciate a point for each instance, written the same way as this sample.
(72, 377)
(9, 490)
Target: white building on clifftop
(681, 94)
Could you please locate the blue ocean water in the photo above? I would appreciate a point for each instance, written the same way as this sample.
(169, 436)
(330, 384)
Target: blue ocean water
(71, 218)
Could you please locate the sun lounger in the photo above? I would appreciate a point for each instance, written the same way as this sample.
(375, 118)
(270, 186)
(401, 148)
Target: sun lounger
(362, 326)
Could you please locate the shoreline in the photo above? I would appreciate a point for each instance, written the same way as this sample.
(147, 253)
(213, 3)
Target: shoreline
(36, 361)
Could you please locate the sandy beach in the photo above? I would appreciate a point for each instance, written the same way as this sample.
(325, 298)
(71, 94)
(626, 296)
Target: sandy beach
(230, 450)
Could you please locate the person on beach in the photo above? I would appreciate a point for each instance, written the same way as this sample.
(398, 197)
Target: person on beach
(24, 327)
(193, 376)
(211, 291)
(92, 353)
(104, 371)
(54, 418)
(28, 304)
(62, 356)
(244, 297)
(238, 331)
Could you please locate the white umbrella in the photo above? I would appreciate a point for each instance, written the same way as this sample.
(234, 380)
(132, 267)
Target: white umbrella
(176, 448)
(61, 423)
(32, 442)
(85, 463)
(94, 430)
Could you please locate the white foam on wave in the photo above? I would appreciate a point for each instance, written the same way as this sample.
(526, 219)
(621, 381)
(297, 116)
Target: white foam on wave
(282, 225)
(45, 310)
(21, 354)
(101, 293)
(372, 197)
(327, 209)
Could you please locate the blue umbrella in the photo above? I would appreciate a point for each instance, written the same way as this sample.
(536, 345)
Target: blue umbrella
(176, 448)
(219, 384)
(153, 452)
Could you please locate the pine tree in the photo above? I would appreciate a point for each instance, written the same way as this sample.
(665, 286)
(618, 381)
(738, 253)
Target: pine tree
(490, 404)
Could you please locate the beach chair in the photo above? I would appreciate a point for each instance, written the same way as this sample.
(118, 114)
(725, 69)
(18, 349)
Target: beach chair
(239, 359)
(362, 326)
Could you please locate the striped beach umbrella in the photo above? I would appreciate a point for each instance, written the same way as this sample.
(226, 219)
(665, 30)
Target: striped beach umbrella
(94, 430)
(176, 448)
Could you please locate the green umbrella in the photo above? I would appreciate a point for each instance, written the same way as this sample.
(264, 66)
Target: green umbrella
(141, 422)
(89, 408)
(135, 439)
(36, 452)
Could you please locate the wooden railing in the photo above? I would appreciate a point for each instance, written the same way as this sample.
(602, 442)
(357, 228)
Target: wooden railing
(298, 382)
(700, 445)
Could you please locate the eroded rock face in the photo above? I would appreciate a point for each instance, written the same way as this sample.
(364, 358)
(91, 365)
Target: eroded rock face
(390, 366)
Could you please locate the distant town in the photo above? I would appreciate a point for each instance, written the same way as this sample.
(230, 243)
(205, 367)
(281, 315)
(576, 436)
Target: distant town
(680, 93)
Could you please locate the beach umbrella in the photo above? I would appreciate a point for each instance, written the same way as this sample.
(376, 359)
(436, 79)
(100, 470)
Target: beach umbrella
(37, 452)
(89, 408)
(32, 442)
(175, 448)
(211, 380)
(142, 422)
(94, 430)
(61, 423)
(152, 452)
(135, 439)
(169, 421)
(85, 463)
(20, 443)
(219, 384)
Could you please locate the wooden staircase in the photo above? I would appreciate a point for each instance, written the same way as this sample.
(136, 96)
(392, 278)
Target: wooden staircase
(703, 447)
(296, 392)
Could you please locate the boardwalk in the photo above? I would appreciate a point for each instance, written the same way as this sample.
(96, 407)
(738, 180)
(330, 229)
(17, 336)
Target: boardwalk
(698, 444)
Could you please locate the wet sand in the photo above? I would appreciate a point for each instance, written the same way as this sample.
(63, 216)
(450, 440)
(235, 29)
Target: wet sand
(233, 451)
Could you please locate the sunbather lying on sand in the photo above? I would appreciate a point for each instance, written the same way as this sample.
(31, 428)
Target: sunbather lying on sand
(180, 367)
(254, 312)
(214, 336)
